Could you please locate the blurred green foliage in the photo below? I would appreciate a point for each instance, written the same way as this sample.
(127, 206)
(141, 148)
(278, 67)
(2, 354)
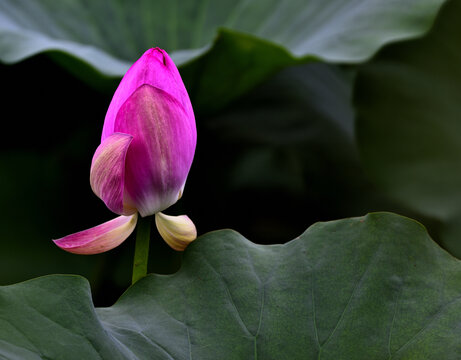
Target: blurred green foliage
(409, 124)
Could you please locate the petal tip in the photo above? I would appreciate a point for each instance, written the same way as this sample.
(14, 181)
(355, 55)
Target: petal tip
(158, 54)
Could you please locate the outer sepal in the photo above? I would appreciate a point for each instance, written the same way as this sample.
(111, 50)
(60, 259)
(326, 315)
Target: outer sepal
(177, 231)
(107, 174)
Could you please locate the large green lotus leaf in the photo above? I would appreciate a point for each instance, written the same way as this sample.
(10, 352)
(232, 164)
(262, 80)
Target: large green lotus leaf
(409, 124)
(375, 287)
(98, 39)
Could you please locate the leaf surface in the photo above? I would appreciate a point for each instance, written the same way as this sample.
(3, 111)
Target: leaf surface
(375, 287)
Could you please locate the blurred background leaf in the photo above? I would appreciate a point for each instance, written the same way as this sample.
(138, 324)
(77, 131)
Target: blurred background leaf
(409, 124)
(281, 157)
(98, 40)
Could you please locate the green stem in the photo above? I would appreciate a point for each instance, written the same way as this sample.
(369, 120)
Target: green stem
(141, 252)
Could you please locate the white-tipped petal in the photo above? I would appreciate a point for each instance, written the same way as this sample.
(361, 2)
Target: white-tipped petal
(177, 231)
(100, 238)
(107, 174)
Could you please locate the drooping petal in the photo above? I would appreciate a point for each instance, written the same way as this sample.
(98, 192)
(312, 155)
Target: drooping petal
(100, 238)
(154, 68)
(107, 174)
(177, 231)
(161, 153)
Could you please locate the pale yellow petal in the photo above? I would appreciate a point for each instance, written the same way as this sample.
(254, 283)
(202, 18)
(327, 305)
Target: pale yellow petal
(177, 231)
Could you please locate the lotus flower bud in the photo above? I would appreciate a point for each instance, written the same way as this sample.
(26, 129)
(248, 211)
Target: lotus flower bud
(150, 136)
(147, 147)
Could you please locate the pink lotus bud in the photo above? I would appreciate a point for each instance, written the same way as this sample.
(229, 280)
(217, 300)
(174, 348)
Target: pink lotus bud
(149, 136)
(147, 145)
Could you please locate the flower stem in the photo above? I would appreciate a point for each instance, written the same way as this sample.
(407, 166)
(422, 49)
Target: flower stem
(141, 252)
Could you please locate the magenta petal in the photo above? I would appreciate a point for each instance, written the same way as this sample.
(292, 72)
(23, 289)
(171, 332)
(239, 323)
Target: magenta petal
(100, 238)
(161, 153)
(107, 174)
(154, 68)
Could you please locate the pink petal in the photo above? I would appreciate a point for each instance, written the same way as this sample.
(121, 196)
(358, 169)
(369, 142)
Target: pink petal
(161, 153)
(107, 174)
(154, 68)
(100, 238)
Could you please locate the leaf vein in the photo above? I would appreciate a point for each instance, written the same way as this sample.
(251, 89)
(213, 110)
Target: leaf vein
(356, 288)
(396, 308)
(433, 318)
(229, 295)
